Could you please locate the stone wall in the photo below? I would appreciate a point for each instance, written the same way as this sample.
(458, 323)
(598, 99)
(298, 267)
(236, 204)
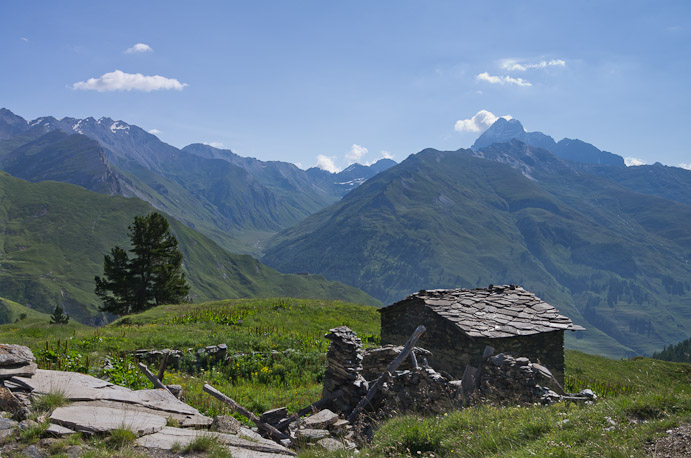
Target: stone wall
(452, 349)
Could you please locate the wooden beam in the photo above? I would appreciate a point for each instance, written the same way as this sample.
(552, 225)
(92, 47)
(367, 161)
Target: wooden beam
(407, 350)
(270, 430)
(162, 366)
(157, 383)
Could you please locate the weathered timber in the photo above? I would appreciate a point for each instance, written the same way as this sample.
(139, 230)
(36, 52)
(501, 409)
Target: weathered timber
(162, 366)
(270, 430)
(407, 350)
(157, 383)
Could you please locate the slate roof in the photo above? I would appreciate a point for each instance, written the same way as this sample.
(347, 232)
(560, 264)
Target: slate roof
(494, 312)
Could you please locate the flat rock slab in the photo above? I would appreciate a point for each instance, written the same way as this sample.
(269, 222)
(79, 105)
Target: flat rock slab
(239, 447)
(81, 387)
(18, 370)
(321, 419)
(15, 354)
(91, 420)
(184, 420)
(57, 430)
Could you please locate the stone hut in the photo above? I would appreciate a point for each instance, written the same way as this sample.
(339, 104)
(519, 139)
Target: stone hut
(461, 323)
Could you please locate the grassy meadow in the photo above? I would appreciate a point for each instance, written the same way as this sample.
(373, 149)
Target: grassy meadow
(279, 349)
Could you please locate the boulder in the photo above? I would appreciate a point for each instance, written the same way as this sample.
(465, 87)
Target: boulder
(90, 420)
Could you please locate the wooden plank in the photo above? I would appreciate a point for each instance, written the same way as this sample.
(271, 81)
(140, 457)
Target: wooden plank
(407, 350)
(270, 430)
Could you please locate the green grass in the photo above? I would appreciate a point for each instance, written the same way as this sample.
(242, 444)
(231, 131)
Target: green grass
(121, 437)
(281, 342)
(46, 403)
(55, 235)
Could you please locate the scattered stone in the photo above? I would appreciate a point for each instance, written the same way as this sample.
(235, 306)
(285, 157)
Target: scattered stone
(33, 451)
(9, 402)
(59, 431)
(226, 424)
(18, 370)
(74, 451)
(6, 423)
(311, 435)
(5, 433)
(321, 420)
(15, 355)
(176, 390)
(90, 420)
(26, 424)
(330, 444)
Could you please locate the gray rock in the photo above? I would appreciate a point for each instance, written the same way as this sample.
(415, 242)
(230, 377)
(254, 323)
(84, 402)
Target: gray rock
(6, 433)
(81, 387)
(32, 451)
(57, 430)
(18, 370)
(239, 447)
(330, 444)
(226, 424)
(74, 451)
(321, 419)
(15, 354)
(7, 423)
(26, 424)
(88, 419)
(311, 435)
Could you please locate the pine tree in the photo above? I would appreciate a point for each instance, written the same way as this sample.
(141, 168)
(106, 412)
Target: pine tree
(153, 276)
(59, 317)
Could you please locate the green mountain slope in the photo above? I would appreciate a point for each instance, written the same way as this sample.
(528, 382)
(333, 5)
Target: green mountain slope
(611, 259)
(54, 236)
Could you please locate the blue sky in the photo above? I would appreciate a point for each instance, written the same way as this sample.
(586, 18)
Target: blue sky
(358, 80)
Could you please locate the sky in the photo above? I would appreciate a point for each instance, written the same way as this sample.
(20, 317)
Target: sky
(330, 83)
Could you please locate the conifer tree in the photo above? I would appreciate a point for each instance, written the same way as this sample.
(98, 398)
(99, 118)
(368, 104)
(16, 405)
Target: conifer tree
(153, 276)
(59, 317)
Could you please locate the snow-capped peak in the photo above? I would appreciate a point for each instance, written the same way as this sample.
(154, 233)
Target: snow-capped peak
(117, 126)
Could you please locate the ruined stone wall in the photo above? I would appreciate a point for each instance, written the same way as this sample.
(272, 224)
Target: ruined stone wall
(452, 350)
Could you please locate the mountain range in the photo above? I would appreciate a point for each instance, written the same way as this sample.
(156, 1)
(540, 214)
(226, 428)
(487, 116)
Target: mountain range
(605, 243)
(236, 201)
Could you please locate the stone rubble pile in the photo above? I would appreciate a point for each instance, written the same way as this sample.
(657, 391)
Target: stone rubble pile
(505, 378)
(419, 390)
(376, 360)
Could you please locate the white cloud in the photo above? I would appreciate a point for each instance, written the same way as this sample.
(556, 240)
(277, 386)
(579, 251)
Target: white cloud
(154, 131)
(632, 161)
(299, 165)
(356, 153)
(326, 163)
(515, 65)
(685, 166)
(121, 81)
(24, 39)
(479, 123)
(386, 155)
(139, 48)
(502, 79)
(213, 144)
